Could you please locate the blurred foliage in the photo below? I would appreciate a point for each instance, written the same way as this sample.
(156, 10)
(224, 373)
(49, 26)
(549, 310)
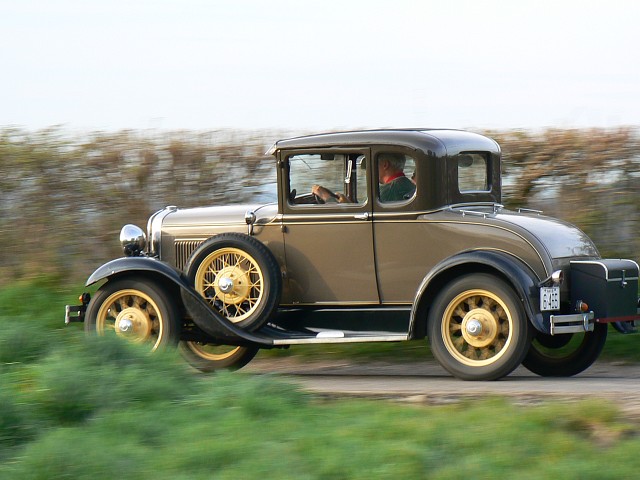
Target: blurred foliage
(65, 196)
(96, 409)
(93, 407)
(587, 177)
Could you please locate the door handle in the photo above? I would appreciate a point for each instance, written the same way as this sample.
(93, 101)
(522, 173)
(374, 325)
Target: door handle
(362, 216)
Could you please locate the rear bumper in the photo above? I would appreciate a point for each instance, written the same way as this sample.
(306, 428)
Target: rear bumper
(578, 323)
(585, 322)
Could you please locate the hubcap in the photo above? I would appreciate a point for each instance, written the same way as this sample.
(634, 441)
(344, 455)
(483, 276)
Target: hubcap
(476, 327)
(479, 328)
(232, 285)
(124, 325)
(131, 314)
(225, 285)
(133, 323)
(232, 282)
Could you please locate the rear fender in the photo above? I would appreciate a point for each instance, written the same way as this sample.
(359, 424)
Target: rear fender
(520, 276)
(208, 320)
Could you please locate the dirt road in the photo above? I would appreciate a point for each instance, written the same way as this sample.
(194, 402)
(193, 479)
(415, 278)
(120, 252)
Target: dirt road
(427, 382)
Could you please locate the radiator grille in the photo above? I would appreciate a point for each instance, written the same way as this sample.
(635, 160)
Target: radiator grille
(184, 249)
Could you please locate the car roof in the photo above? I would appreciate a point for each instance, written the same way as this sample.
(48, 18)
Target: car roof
(438, 142)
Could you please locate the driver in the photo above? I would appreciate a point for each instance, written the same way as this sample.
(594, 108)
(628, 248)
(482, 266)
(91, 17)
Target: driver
(394, 184)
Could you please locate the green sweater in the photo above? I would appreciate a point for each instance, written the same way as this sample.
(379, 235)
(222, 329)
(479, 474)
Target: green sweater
(398, 189)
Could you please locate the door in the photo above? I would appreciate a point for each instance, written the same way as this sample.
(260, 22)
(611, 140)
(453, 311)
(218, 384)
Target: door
(328, 237)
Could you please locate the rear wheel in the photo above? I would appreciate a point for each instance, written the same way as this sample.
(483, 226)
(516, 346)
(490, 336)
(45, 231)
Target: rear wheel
(565, 355)
(136, 310)
(208, 357)
(477, 328)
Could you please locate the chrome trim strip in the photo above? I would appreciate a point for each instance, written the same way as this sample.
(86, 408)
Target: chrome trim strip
(240, 226)
(354, 339)
(529, 210)
(347, 217)
(154, 229)
(372, 307)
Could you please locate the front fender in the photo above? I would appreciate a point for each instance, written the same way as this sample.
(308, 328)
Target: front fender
(208, 320)
(520, 276)
(136, 264)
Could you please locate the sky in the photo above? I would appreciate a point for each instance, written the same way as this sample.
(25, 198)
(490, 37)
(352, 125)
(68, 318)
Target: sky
(319, 65)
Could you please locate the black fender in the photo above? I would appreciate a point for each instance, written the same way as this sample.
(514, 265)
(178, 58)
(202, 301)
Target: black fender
(129, 265)
(518, 274)
(208, 320)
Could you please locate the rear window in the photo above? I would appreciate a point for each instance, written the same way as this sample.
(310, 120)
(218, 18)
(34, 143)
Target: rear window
(473, 173)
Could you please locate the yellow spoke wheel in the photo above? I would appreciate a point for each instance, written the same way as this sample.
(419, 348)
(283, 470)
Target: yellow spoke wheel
(477, 327)
(232, 282)
(239, 278)
(210, 357)
(135, 310)
(214, 353)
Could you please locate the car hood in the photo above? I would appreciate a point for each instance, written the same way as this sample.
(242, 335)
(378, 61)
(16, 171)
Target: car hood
(226, 215)
(561, 239)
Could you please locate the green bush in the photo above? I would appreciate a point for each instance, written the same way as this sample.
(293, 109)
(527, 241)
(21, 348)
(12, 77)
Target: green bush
(22, 342)
(16, 424)
(106, 374)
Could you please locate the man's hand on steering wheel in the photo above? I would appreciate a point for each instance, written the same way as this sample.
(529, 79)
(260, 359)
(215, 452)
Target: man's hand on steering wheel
(323, 194)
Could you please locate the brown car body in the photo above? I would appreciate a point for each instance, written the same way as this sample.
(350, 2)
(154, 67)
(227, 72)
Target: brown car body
(374, 270)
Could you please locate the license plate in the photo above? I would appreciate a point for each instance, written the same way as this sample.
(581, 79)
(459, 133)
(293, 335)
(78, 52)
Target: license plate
(549, 298)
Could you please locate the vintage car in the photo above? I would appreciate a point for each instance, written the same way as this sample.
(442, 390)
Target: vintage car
(376, 236)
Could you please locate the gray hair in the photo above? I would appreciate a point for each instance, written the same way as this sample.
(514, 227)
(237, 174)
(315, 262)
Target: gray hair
(397, 160)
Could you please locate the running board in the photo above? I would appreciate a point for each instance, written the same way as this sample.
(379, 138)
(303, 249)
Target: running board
(325, 337)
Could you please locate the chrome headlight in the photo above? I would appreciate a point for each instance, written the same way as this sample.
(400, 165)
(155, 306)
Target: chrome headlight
(133, 240)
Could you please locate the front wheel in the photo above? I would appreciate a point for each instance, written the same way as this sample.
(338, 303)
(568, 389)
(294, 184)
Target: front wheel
(566, 357)
(477, 328)
(136, 310)
(209, 358)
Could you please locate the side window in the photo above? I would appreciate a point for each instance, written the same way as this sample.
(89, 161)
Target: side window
(473, 173)
(318, 178)
(396, 177)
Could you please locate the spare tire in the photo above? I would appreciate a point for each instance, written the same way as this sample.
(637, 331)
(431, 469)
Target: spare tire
(238, 276)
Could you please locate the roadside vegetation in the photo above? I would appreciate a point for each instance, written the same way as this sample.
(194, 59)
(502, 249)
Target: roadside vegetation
(73, 406)
(65, 196)
(87, 407)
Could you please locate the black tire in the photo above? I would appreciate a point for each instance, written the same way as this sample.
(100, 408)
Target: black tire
(477, 328)
(238, 276)
(138, 310)
(209, 358)
(570, 358)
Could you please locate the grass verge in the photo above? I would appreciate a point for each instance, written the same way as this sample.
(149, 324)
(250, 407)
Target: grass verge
(102, 407)
(77, 407)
